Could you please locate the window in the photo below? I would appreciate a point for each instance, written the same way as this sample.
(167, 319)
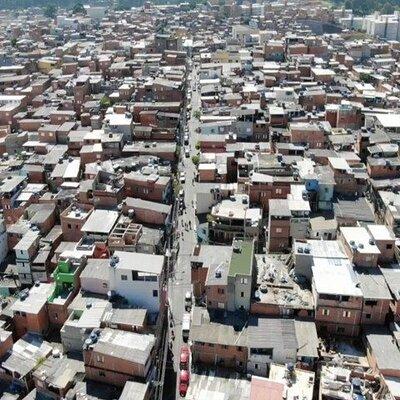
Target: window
(368, 316)
(241, 294)
(345, 298)
(389, 246)
(100, 358)
(340, 329)
(325, 311)
(370, 303)
(124, 277)
(278, 230)
(69, 226)
(255, 366)
(210, 344)
(243, 281)
(239, 348)
(104, 284)
(102, 373)
(346, 314)
(155, 293)
(262, 352)
(278, 191)
(221, 291)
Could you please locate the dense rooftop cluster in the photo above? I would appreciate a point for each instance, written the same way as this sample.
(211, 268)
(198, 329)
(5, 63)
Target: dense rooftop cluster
(200, 201)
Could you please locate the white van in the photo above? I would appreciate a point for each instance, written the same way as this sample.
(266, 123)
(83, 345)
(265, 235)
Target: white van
(185, 327)
(188, 300)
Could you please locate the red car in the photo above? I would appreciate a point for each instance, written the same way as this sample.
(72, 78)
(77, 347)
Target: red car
(183, 383)
(184, 359)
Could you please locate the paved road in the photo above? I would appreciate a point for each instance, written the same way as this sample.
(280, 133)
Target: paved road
(180, 281)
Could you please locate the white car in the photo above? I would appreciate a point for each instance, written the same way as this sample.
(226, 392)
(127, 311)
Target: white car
(182, 177)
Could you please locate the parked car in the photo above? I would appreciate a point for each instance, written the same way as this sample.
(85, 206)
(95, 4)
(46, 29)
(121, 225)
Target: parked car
(184, 359)
(186, 139)
(187, 152)
(188, 301)
(186, 327)
(182, 177)
(183, 383)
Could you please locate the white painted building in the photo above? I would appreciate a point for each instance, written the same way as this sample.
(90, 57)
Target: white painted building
(376, 24)
(25, 250)
(138, 278)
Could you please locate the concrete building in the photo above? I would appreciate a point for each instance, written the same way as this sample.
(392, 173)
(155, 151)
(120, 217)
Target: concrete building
(338, 299)
(115, 356)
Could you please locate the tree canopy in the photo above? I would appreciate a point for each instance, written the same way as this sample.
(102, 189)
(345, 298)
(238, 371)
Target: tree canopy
(105, 102)
(364, 7)
(50, 11)
(78, 8)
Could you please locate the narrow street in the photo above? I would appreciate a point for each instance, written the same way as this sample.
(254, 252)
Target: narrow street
(185, 239)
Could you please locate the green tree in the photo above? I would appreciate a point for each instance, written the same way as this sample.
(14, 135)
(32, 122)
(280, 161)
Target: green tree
(388, 8)
(196, 160)
(197, 114)
(105, 102)
(192, 4)
(123, 5)
(366, 78)
(176, 185)
(178, 151)
(14, 42)
(78, 8)
(50, 11)
(210, 218)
